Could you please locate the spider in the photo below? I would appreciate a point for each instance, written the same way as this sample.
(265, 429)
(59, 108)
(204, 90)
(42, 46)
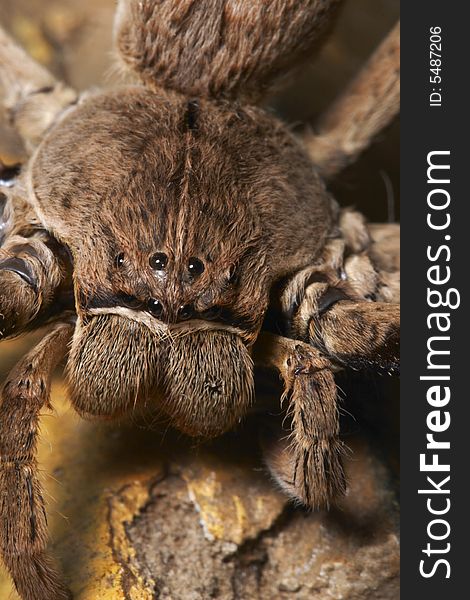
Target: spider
(170, 233)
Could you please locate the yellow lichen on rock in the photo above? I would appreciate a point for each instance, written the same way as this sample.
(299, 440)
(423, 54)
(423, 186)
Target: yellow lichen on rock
(239, 516)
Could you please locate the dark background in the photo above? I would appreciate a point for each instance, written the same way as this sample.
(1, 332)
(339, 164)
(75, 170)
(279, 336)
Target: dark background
(425, 129)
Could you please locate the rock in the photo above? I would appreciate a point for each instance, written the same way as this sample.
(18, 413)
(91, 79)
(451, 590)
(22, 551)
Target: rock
(186, 549)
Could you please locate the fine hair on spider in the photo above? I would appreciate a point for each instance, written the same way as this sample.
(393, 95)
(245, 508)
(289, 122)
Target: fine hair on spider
(170, 233)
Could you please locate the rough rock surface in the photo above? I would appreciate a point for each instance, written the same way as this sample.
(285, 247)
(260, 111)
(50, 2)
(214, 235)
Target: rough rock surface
(244, 542)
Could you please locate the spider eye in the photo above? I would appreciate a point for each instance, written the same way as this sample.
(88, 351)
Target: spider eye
(195, 266)
(185, 312)
(158, 261)
(155, 307)
(119, 260)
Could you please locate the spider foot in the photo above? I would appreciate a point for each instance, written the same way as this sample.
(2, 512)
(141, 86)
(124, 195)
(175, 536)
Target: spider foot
(312, 476)
(305, 456)
(33, 276)
(36, 577)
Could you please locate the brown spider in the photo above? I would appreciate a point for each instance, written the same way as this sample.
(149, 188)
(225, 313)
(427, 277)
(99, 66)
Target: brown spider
(170, 232)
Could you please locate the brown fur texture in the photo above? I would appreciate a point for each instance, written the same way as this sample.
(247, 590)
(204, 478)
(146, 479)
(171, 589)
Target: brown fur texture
(174, 221)
(23, 526)
(360, 335)
(18, 303)
(113, 366)
(117, 367)
(308, 467)
(329, 305)
(31, 277)
(219, 48)
(199, 397)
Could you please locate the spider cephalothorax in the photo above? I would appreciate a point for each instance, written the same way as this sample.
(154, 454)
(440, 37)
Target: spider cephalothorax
(167, 231)
(177, 230)
(181, 216)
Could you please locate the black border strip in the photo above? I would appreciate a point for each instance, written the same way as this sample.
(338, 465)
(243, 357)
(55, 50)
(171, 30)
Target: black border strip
(425, 129)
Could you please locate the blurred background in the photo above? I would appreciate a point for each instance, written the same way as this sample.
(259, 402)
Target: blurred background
(73, 39)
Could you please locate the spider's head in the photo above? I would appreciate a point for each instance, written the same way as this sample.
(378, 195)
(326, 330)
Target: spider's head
(169, 312)
(170, 268)
(170, 209)
(158, 199)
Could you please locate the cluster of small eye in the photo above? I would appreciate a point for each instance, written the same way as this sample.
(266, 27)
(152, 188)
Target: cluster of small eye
(159, 262)
(185, 312)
